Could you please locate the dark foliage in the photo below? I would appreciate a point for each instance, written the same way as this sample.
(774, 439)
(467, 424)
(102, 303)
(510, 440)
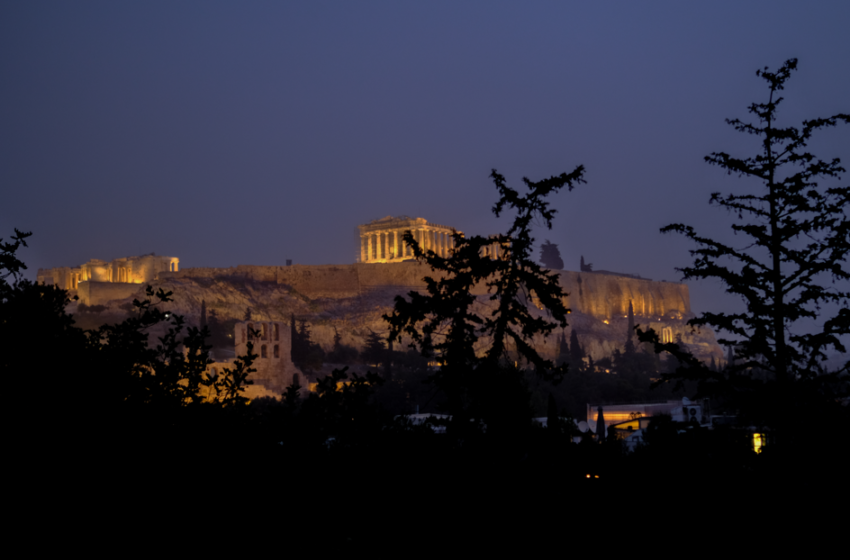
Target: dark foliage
(221, 332)
(550, 256)
(306, 354)
(110, 390)
(374, 351)
(202, 324)
(790, 266)
(342, 353)
(576, 351)
(445, 322)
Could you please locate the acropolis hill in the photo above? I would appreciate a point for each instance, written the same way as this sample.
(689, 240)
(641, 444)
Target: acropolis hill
(352, 298)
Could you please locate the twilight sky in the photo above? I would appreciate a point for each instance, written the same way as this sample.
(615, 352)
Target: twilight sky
(230, 133)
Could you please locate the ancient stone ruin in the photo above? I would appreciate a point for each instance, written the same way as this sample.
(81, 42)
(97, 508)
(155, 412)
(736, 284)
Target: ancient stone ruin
(272, 343)
(110, 280)
(351, 299)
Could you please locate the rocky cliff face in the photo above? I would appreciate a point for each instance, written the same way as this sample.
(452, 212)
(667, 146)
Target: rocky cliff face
(352, 298)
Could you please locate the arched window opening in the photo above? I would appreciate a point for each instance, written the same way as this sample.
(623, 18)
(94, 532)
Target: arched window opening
(265, 332)
(276, 351)
(276, 332)
(263, 351)
(213, 372)
(250, 331)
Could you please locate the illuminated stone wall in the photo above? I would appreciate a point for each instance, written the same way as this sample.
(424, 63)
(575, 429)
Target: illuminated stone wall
(599, 295)
(351, 299)
(100, 293)
(605, 296)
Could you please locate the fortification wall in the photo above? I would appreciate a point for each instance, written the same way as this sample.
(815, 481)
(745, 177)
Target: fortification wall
(598, 295)
(604, 295)
(351, 300)
(99, 293)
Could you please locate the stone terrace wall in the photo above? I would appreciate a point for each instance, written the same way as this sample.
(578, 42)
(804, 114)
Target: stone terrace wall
(99, 293)
(604, 295)
(598, 295)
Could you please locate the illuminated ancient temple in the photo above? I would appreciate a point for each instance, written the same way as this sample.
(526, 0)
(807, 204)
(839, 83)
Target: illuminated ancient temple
(381, 240)
(126, 270)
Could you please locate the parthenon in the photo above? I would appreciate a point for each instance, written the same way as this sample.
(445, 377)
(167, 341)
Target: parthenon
(381, 240)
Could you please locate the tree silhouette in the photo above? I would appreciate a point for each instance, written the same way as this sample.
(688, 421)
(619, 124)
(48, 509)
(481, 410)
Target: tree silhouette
(203, 321)
(374, 351)
(112, 380)
(447, 321)
(796, 239)
(550, 256)
(563, 350)
(342, 353)
(576, 351)
(306, 354)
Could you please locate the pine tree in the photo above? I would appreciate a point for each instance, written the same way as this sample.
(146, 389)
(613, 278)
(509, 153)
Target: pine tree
(576, 352)
(563, 349)
(550, 256)
(203, 323)
(445, 320)
(337, 340)
(796, 240)
(374, 351)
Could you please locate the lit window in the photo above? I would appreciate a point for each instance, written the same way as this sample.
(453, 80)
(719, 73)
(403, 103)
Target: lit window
(758, 442)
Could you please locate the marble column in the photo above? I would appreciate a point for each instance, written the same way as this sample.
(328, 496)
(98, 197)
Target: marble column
(362, 248)
(395, 244)
(369, 248)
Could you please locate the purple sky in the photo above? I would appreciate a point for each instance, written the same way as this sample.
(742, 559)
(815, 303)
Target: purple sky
(254, 132)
